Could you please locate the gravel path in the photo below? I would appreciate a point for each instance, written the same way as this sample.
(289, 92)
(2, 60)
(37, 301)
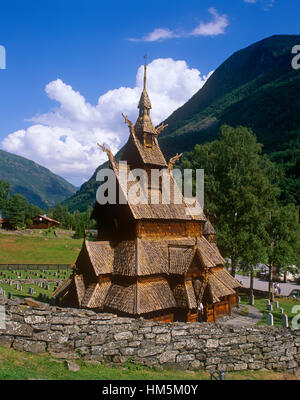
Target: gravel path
(236, 319)
(286, 288)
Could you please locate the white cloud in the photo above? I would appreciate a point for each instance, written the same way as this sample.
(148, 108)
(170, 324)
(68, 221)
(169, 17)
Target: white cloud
(158, 34)
(215, 27)
(267, 4)
(65, 139)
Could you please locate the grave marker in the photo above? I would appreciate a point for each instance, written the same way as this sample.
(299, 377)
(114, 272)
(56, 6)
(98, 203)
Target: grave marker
(285, 320)
(270, 319)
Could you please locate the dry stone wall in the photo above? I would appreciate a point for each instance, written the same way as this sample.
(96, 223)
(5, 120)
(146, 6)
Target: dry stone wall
(72, 333)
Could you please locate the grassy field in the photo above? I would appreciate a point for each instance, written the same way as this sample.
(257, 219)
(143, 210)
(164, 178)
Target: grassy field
(17, 365)
(22, 249)
(260, 303)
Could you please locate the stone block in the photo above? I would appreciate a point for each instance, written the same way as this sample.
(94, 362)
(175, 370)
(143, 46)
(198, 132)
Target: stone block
(212, 343)
(18, 329)
(163, 338)
(167, 357)
(185, 357)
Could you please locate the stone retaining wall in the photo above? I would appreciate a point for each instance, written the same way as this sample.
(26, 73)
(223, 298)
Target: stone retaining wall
(72, 333)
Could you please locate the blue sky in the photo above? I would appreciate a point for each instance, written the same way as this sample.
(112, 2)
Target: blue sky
(84, 49)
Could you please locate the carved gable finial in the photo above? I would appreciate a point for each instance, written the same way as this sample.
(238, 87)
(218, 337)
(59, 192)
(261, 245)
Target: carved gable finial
(160, 128)
(173, 161)
(129, 123)
(108, 152)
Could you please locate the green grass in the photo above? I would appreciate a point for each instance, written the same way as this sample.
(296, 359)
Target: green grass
(17, 365)
(260, 303)
(35, 250)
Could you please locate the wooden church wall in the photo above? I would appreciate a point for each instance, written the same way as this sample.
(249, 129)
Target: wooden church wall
(162, 229)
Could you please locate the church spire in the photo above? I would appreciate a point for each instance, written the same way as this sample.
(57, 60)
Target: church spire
(145, 72)
(144, 103)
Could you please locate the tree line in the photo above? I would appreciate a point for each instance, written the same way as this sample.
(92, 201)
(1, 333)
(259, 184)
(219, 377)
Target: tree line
(252, 217)
(20, 213)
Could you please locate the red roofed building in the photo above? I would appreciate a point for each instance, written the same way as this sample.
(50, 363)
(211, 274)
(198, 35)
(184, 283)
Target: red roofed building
(43, 222)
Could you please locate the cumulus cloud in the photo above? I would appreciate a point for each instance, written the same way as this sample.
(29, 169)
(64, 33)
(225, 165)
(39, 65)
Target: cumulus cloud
(216, 26)
(158, 34)
(65, 139)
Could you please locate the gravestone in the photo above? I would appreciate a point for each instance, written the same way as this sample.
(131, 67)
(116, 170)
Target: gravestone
(270, 319)
(285, 320)
(270, 307)
(31, 290)
(268, 302)
(281, 311)
(276, 304)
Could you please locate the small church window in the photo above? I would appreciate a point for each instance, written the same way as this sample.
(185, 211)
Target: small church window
(148, 140)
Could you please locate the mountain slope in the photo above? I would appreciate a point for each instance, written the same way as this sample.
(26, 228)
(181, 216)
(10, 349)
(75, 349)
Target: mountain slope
(255, 87)
(38, 184)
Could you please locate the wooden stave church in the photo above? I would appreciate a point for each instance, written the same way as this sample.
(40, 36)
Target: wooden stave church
(156, 261)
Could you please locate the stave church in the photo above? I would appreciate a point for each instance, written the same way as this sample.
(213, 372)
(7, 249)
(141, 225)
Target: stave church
(157, 261)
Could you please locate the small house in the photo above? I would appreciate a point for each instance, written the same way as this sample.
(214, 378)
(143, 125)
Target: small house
(43, 222)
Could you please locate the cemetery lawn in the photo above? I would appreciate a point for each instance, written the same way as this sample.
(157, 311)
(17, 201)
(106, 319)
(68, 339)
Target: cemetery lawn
(17, 249)
(16, 365)
(260, 303)
(38, 291)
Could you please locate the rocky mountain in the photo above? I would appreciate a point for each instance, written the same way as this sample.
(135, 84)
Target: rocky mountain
(38, 184)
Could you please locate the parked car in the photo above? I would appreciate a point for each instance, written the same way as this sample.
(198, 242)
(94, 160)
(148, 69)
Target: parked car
(295, 293)
(263, 274)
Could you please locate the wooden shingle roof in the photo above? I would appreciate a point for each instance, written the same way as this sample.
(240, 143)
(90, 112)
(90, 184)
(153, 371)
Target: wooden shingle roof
(172, 211)
(95, 294)
(208, 228)
(180, 259)
(121, 298)
(148, 256)
(143, 296)
(209, 255)
(79, 287)
(154, 295)
(134, 149)
(101, 256)
(144, 100)
(62, 288)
